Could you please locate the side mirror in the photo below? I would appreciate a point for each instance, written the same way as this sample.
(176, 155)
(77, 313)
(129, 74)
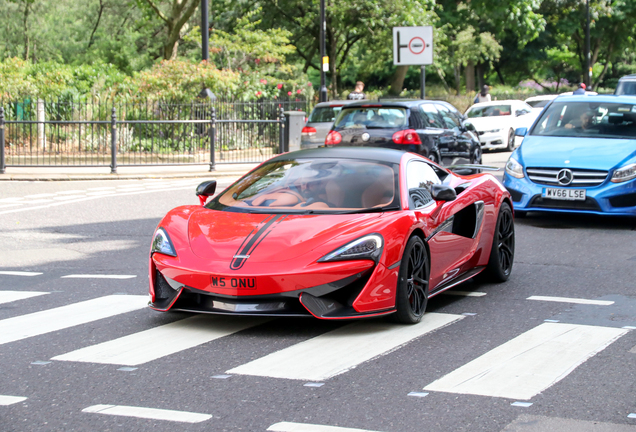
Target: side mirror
(469, 126)
(519, 113)
(521, 132)
(443, 193)
(206, 189)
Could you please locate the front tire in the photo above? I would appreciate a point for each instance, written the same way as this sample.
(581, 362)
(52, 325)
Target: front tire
(503, 246)
(511, 140)
(412, 289)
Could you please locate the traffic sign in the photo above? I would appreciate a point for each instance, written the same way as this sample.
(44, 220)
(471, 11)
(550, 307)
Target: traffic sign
(412, 45)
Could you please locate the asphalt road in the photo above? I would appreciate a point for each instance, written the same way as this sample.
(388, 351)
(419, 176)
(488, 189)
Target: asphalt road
(474, 364)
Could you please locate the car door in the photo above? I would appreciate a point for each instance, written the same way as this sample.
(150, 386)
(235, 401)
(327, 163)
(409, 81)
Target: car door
(435, 130)
(448, 242)
(460, 151)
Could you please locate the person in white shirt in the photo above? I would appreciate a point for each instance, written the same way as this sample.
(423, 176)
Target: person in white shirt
(483, 96)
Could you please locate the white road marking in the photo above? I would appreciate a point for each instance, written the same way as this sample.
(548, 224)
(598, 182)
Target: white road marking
(10, 400)
(97, 276)
(19, 273)
(101, 193)
(465, 293)
(50, 320)
(572, 300)
(88, 198)
(148, 345)
(130, 189)
(304, 427)
(102, 188)
(529, 363)
(521, 404)
(39, 201)
(340, 350)
(68, 197)
(70, 192)
(148, 413)
(11, 200)
(38, 196)
(11, 205)
(11, 296)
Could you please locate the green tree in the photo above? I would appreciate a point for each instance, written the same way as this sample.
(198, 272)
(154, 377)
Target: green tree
(175, 15)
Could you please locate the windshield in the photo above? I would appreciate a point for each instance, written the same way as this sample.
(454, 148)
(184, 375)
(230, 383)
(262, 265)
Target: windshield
(488, 111)
(626, 88)
(324, 114)
(313, 186)
(588, 119)
(538, 103)
(371, 118)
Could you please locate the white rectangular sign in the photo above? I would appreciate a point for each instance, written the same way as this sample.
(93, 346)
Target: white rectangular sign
(412, 45)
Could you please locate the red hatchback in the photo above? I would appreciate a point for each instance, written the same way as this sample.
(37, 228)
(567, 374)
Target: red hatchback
(334, 233)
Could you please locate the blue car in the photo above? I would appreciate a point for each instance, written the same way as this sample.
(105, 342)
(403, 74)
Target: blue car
(578, 156)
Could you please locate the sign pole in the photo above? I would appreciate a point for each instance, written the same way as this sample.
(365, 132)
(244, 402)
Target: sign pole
(423, 88)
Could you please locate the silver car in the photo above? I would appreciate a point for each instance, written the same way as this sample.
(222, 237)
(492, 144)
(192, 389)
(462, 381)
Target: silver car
(319, 123)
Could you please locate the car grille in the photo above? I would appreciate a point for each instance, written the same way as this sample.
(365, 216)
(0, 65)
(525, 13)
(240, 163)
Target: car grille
(588, 204)
(580, 177)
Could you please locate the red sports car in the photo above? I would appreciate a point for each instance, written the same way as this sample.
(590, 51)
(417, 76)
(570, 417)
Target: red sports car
(337, 233)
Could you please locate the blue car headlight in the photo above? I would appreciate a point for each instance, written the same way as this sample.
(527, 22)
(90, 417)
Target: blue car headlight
(514, 168)
(367, 247)
(161, 243)
(624, 174)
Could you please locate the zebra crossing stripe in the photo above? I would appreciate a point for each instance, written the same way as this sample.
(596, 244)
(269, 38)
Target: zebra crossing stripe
(10, 400)
(530, 363)
(148, 413)
(11, 296)
(50, 320)
(148, 345)
(572, 300)
(303, 427)
(337, 351)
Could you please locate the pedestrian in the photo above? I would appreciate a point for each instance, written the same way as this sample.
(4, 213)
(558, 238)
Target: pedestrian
(580, 90)
(483, 96)
(357, 93)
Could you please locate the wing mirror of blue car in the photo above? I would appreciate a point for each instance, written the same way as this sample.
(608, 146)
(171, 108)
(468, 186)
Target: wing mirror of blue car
(521, 132)
(205, 190)
(443, 193)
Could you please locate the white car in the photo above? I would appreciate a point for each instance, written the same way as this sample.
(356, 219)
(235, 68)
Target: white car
(496, 122)
(539, 102)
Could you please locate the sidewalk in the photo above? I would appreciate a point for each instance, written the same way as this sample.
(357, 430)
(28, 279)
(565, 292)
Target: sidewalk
(123, 172)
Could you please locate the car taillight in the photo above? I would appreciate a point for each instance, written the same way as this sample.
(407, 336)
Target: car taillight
(308, 130)
(333, 138)
(408, 136)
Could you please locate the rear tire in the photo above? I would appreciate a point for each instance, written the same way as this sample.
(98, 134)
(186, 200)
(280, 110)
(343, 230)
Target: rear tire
(432, 156)
(503, 246)
(412, 288)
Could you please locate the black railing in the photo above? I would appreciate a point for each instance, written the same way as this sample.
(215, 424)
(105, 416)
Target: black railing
(72, 134)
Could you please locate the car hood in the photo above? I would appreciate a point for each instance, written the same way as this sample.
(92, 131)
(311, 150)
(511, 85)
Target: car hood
(489, 123)
(220, 236)
(584, 153)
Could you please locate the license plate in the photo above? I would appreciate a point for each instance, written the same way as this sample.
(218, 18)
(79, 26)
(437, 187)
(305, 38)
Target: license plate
(233, 282)
(564, 194)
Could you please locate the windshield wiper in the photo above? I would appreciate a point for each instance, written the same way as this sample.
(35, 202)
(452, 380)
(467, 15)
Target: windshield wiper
(370, 210)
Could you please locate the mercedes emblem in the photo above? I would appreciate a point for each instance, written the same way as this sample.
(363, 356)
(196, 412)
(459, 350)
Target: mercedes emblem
(565, 177)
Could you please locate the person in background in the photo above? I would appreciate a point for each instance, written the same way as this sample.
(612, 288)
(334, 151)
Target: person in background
(357, 93)
(580, 90)
(483, 96)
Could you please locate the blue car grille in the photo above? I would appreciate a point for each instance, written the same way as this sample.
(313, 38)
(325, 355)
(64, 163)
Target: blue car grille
(580, 177)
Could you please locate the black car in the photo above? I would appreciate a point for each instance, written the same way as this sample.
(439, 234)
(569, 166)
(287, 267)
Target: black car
(434, 129)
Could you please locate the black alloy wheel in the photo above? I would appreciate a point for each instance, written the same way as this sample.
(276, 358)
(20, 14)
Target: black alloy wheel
(503, 246)
(511, 140)
(475, 158)
(412, 290)
(432, 156)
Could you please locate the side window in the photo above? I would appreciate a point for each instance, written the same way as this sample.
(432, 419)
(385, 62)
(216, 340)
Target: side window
(431, 116)
(416, 120)
(419, 179)
(449, 121)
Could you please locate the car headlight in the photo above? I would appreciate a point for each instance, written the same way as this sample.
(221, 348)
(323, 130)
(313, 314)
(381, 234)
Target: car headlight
(514, 168)
(492, 131)
(625, 173)
(162, 243)
(367, 247)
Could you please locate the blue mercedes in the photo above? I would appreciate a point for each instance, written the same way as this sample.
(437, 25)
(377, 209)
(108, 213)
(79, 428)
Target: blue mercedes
(578, 156)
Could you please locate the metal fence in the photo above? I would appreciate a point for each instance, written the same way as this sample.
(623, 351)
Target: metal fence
(68, 133)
